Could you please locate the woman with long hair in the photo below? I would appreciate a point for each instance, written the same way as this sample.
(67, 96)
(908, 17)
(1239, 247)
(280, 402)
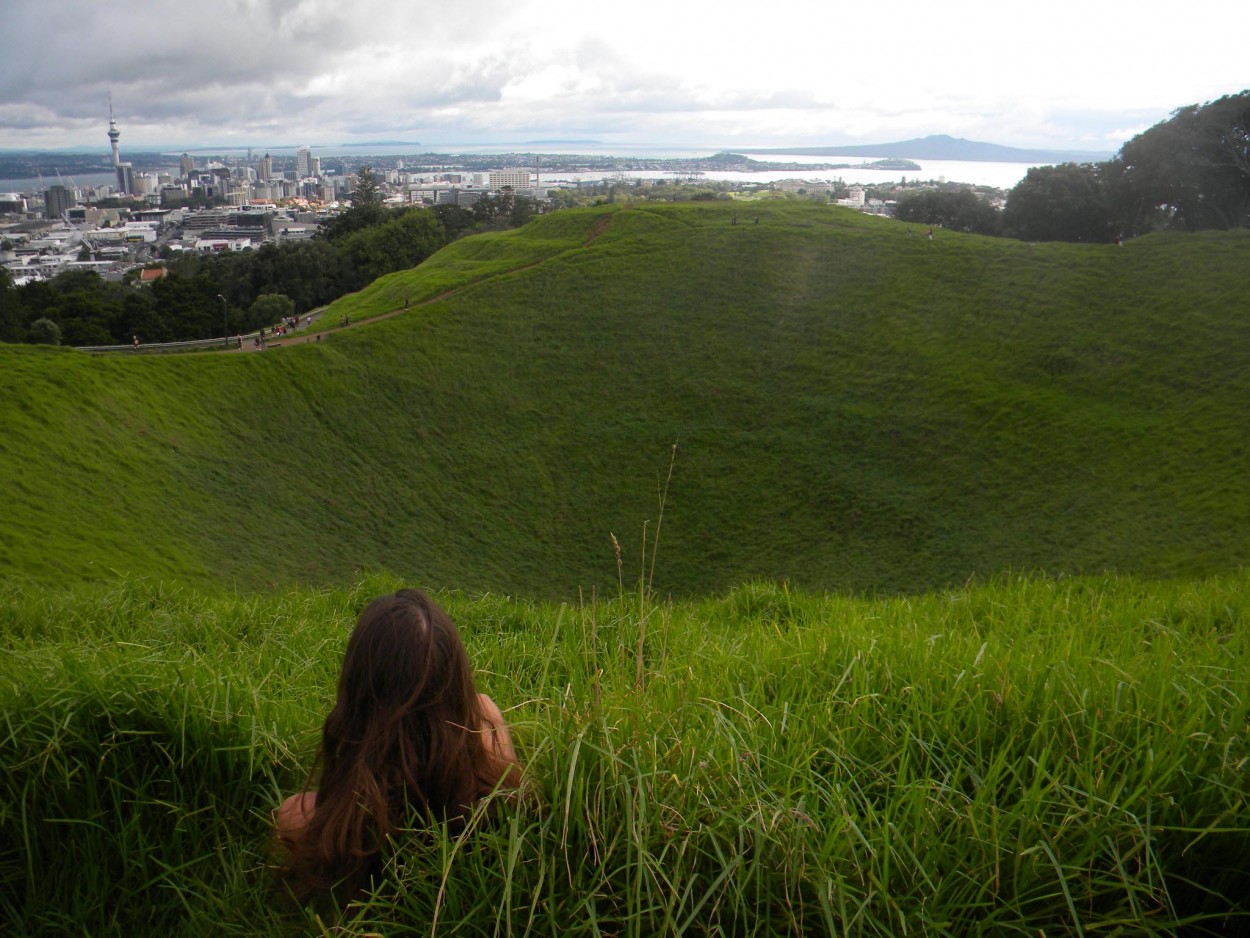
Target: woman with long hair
(409, 736)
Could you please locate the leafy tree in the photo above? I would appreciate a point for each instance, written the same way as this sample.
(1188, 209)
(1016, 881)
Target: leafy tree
(504, 204)
(958, 209)
(11, 328)
(76, 281)
(356, 218)
(1067, 202)
(88, 316)
(44, 331)
(522, 212)
(1193, 168)
(311, 273)
(270, 308)
(35, 297)
(140, 317)
(455, 219)
(1133, 214)
(80, 332)
(188, 306)
(402, 242)
(368, 191)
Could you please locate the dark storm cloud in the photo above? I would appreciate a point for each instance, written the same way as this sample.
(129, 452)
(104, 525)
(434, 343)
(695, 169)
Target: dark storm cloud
(228, 62)
(161, 62)
(83, 46)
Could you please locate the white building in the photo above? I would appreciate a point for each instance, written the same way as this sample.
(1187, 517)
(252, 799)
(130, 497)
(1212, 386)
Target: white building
(294, 232)
(222, 244)
(517, 179)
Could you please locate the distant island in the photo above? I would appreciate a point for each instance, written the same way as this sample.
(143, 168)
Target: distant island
(372, 143)
(943, 147)
(741, 163)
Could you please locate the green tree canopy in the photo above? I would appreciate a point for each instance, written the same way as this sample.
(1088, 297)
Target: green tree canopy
(1067, 202)
(1193, 167)
(401, 242)
(958, 209)
(43, 331)
(270, 308)
(11, 329)
(368, 190)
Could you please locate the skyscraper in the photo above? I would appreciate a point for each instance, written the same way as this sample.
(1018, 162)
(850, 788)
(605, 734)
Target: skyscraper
(264, 170)
(303, 163)
(186, 165)
(57, 201)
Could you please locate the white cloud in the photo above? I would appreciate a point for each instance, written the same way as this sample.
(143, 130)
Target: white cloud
(1067, 73)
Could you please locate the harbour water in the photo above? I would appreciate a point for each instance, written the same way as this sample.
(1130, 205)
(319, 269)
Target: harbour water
(997, 175)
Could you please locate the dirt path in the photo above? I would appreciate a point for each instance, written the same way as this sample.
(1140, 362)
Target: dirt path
(316, 336)
(599, 227)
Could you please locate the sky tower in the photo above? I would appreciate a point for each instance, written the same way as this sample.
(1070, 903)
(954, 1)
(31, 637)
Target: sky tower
(125, 171)
(114, 133)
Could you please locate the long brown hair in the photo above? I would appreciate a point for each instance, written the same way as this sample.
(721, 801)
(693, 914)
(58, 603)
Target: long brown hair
(405, 738)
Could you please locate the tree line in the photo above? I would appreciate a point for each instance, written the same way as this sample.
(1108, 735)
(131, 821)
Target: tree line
(354, 249)
(1189, 172)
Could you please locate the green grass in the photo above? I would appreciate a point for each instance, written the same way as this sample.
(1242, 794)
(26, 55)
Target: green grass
(854, 409)
(1058, 756)
(943, 746)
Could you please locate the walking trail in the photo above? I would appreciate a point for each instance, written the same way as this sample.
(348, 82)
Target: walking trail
(598, 229)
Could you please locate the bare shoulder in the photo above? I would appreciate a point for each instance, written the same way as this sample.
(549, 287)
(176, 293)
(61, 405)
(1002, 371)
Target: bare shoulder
(496, 729)
(490, 710)
(294, 814)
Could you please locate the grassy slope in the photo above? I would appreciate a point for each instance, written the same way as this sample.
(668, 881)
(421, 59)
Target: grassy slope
(1018, 758)
(854, 409)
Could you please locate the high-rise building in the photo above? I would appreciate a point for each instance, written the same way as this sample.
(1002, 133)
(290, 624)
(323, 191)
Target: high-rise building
(516, 178)
(125, 178)
(186, 165)
(303, 163)
(315, 166)
(264, 170)
(57, 201)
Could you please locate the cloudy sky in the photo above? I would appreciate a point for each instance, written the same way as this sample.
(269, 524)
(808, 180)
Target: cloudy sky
(1084, 74)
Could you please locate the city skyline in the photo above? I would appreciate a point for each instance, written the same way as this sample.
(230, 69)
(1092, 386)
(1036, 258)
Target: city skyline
(297, 72)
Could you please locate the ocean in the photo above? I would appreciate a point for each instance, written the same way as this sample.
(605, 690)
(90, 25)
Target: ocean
(998, 175)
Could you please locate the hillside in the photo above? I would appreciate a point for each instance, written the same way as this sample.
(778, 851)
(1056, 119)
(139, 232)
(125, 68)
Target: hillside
(853, 408)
